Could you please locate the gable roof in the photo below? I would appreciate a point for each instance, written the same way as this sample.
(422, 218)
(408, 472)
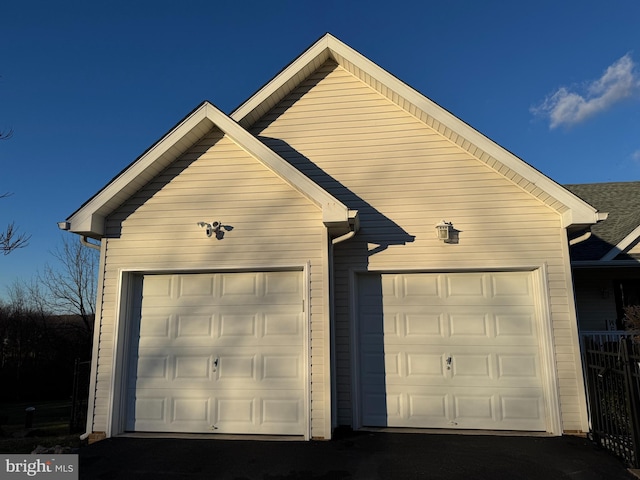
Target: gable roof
(89, 219)
(574, 211)
(621, 229)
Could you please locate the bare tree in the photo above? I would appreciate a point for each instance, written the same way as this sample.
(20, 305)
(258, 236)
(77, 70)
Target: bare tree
(11, 239)
(71, 286)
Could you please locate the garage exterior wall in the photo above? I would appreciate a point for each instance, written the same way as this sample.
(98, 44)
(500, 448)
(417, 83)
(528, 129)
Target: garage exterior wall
(273, 226)
(404, 177)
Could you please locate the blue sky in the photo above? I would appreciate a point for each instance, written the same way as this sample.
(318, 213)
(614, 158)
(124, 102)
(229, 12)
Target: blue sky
(87, 86)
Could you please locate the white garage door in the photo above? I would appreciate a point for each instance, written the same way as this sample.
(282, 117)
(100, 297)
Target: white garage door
(219, 353)
(457, 350)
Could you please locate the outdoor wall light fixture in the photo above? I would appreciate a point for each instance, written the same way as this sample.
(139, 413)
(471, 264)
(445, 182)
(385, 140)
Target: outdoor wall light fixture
(211, 228)
(215, 229)
(445, 231)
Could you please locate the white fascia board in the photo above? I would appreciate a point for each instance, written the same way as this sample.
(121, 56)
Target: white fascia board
(89, 219)
(579, 213)
(622, 245)
(318, 49)
(333, 211)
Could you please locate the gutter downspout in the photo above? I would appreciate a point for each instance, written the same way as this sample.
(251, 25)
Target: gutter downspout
(354, 225)
(581, 238)
(84, 241)
(66, 226)
(87, 243)
(342, 238)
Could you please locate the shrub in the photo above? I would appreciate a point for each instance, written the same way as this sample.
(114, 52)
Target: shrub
(632, 320)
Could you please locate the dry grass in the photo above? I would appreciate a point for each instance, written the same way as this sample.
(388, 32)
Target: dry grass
(50, 426)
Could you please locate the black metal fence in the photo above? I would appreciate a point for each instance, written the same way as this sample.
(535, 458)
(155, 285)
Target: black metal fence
(80, 396)
(612, 369)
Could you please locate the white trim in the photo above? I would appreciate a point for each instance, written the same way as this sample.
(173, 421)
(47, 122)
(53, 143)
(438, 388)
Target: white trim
(327, 302)
(127, 293)
(575, 339)
(622, 245)
(545, 333)
(547, 351)
(89, 219)
(306, 345)
(579, 212)
(97, 327)
(129, 288)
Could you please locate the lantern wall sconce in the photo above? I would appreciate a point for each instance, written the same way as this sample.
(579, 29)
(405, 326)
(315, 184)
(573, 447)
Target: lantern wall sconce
(445, 231)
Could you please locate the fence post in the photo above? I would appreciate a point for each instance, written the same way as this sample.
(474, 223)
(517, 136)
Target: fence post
(633, 402)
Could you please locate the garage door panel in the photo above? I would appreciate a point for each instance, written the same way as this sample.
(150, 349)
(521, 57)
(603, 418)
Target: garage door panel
(519, 366)
(510, 409)
(193, 329)
(454, 350)
(513, 288)
(157, 326)
(242, 367)
(476, 367)
(154, 367)
(220, 353)
(429, 408)
(515, 325)
(195, 287)
(443, 407)
(192, 326)
(466, 288)
(259, 412)
(426, 366)
(471, 324)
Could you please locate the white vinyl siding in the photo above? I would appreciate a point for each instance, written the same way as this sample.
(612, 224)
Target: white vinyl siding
(404, 177)
(268, 225)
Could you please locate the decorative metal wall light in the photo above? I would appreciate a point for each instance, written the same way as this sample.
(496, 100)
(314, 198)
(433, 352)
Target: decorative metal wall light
(215, 229)
(211, 228)
(445, 231)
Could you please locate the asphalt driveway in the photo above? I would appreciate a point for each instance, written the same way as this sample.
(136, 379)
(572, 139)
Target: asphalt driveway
(363, 455)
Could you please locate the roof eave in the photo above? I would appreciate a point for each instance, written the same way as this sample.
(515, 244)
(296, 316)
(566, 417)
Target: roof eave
(622, 245)
(573, 210)
(89, 219)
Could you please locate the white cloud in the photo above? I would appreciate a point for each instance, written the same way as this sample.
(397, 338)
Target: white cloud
(635, 156)
(566, 107)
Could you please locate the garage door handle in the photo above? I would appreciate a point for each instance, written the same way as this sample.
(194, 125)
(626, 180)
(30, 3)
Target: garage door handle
(215, 363)
(448, 363)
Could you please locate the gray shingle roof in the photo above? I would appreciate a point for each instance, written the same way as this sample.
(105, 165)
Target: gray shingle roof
(622, 201)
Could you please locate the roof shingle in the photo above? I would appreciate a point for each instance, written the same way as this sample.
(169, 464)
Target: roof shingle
(622, 201)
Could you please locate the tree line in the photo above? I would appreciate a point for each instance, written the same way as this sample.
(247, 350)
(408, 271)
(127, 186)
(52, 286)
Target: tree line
(46, 324)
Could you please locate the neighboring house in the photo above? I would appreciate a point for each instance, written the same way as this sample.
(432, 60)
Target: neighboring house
(606, 264)
(280, 271)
